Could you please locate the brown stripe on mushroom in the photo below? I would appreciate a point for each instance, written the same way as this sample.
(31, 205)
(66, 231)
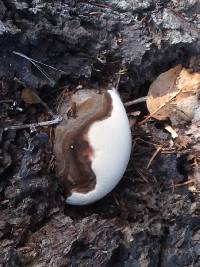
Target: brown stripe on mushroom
(71, 147)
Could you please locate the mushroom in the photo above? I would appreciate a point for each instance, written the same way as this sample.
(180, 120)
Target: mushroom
(92, 144)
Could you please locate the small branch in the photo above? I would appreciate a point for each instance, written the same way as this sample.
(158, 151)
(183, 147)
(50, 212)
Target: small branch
(6, 101)
(141, 175)
(135, 101)
(184, 183)
(56, 120)
(153, 157)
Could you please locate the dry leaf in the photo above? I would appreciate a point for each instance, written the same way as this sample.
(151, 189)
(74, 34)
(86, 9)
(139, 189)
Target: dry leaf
(161, 91)
(174, 94)
(29, 96)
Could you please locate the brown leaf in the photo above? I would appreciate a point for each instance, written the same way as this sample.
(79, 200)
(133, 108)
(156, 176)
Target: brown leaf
(29, 96)
(161, 91)
(174, 93)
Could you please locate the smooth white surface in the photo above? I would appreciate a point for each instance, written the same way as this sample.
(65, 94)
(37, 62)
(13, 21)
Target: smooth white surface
(111, 143)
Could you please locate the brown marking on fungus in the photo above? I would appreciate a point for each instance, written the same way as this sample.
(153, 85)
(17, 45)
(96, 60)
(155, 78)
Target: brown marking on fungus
(71, 147)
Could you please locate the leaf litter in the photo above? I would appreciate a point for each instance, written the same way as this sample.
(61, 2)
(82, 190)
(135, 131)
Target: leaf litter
(174, 95)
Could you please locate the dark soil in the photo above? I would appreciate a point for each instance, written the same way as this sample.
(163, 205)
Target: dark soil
(152, 218)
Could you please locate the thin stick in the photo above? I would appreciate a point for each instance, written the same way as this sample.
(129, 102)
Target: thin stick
(153, 157)
(135, 101)
(141, 174)
(184, 183)
(55, 120)
(147, 142)
(7, 101)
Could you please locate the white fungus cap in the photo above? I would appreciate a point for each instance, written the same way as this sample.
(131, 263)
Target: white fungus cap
(111, 142)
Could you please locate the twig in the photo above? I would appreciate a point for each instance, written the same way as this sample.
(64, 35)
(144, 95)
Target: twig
(135, 101)
(95, 13)
(115, 199)
(141, 174)
(173, 187)
(55, 120)
(144, 141)
(7, 101)
(185, 183)
(153, 157)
